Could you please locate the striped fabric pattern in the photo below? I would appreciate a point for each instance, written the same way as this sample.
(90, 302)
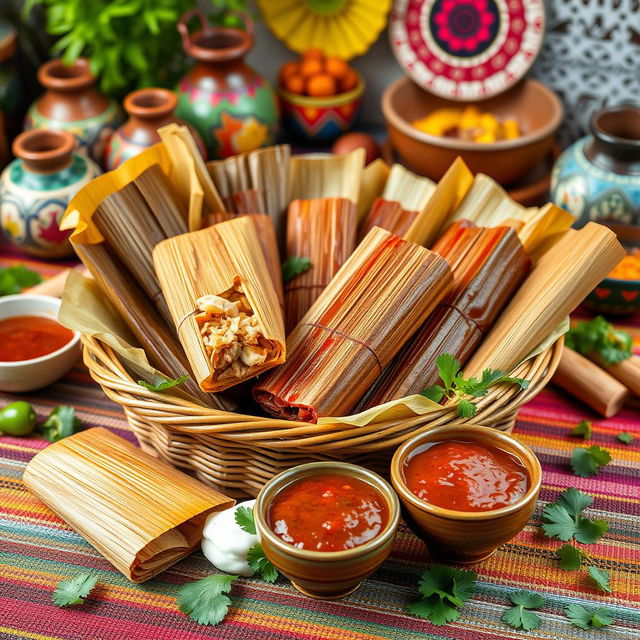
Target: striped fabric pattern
(37, 550)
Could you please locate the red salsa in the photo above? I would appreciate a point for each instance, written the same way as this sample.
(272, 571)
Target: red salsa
(28, 337)
(465, 476)
(328, 512)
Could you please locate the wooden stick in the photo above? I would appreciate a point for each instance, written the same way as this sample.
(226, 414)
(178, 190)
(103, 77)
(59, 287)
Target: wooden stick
(627, 371)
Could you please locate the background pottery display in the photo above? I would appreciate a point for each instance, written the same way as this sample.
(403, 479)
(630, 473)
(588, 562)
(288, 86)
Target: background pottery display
(233, 107)
(148, 109)
(598, 177)
(36, 188)
(71, 102)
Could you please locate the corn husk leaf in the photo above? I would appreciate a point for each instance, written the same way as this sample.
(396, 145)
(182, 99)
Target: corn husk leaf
(374, 177)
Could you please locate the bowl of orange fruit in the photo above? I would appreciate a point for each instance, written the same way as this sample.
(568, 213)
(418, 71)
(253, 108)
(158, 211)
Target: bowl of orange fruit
(320, 96)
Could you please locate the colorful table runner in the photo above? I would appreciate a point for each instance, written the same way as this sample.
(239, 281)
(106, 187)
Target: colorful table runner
(37, 550)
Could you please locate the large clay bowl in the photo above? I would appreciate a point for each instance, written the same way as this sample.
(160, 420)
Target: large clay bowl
(537, 109)
(326, 575)
(461, 536)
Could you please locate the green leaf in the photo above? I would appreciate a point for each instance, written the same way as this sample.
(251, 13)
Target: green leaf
(435, 610)
(625, 437)
(589, 618)
(590, 531)
(587, 461)
(563, 520)
(164, 385)
(570, 557)
(517, 616)
(293, 267)
(466, 408)
(557, 522)
(16, 278)
(74, 591)
(62, 422)
(526, 599)
(574, 501)
(582, 429)
(203, 600)
(601, 577)
(244, 519)
(435, 393)
(600, 337)
(259, 562)
(448, 367)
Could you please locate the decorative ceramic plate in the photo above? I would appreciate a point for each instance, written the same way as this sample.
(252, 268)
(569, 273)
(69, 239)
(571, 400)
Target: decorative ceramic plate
(466, 49)
(343, 28)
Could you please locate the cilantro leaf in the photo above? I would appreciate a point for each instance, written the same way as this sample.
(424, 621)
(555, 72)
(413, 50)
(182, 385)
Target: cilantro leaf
(570, 557)
(448, 367)
(582, 429)
(587, 461)
(600, 337)
(466, 408)
(259, 562)
(435, 393)
(244, 519)
(590, 531)
(557, 522)
(74, 591)
(601, 577)
(16, 278)
(164, 385)
(562, 519)
(293, 267)
(443, 590)
(589, 618)
(203, 600)
(574, 501)
(625, 437)
(62, 422)
(517, 616)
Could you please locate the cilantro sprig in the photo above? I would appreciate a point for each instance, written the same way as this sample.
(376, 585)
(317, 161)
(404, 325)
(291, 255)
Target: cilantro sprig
(256, 557)
(444, 590)
(563, 518)
(625, 437)
(168, 383)
(74, 591)
(519, 616)
(587, 461)
(16, 278)
(204, 600)
(601, 577)
(570, 557)
(294, 266)
(455, 385)
(62, 422)
(583, 429)
(589, 618)
(600, 337)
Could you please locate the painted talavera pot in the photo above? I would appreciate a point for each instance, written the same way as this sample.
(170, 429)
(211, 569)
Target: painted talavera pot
(149, 110)
(36, 188)
(71, 102)
(598, 177)
(232, 106)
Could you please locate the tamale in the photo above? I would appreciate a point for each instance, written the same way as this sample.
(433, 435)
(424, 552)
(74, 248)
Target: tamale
(223, 302)
(324, 231)
(379, 297)
(140, 513)
(374, 177)
(388, 215)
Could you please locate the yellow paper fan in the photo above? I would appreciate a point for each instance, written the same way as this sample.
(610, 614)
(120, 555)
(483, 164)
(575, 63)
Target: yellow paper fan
(343, 28)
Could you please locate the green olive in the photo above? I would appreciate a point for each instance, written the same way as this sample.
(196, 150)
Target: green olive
(18, 418)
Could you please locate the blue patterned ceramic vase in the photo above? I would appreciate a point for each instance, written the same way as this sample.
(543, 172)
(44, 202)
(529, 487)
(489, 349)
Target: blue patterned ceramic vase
(36, 188)
(598, 177)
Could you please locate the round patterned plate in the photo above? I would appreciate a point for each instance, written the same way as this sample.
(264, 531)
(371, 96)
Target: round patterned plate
(466, 49)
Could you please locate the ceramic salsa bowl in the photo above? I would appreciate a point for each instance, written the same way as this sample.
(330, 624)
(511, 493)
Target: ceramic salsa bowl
(326, 575)
(536, 108)
(462, 536)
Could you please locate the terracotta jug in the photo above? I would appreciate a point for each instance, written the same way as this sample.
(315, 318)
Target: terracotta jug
(71, 102)
(36, 188)
(232, 106)
(149, 110)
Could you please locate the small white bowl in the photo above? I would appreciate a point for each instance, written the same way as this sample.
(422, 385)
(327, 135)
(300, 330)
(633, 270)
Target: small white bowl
(27, 375)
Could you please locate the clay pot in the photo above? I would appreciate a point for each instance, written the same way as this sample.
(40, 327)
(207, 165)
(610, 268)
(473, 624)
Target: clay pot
(326, 575)
(149, 110)
(36, 188)
(466, 536)
(71, 102)
(598, 177)
(232, 106)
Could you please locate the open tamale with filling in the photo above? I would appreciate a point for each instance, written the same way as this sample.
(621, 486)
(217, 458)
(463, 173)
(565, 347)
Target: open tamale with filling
(379, 297)
(140, 513)
(223, 303)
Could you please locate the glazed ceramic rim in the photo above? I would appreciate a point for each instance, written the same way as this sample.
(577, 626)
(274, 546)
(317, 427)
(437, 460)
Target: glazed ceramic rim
(325, 101)
(244, 43)
(395, 120)
(601, 134)
(168, 106)
(283, 479)
(495, 438)
(21, 297)
(83, 78)
(67, 143)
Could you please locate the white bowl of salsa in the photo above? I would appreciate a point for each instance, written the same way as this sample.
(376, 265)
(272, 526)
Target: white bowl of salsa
(35, 349)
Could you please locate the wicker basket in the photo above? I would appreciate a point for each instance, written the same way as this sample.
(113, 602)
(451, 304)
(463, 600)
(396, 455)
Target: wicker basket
(238, 454)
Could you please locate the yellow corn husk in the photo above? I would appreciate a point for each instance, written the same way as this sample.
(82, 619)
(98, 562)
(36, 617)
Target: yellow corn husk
(407, 188)
(374, 178)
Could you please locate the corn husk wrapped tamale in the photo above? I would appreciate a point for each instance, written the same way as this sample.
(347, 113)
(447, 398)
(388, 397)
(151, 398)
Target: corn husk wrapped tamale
(140, 513)
(380, 296)
(324, 231)
(223, 302)
(488, 266)
(389, 215)
(372, 182)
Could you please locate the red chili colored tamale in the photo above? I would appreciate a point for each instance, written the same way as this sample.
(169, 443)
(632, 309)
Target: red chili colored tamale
(488, 266)
(324, 231)
(389, 215)
(380, 296)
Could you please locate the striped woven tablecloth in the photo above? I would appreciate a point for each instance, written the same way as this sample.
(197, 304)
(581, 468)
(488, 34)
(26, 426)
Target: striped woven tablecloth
(37, 550)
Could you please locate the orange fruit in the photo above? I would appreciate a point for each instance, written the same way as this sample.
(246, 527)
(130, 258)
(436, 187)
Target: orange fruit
(313, 54)
(288, 69)
(349, 81)
(321, 84)
(310, 67)
(337, 67)
(294, 83)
